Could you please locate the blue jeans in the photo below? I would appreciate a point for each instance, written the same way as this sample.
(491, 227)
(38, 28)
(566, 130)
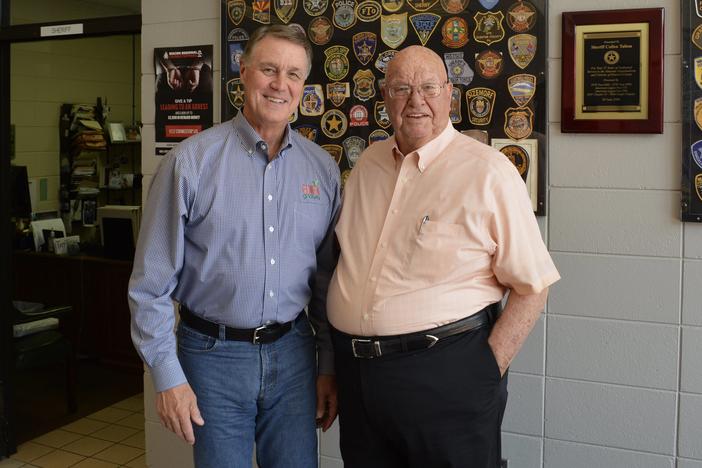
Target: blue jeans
(249, 392)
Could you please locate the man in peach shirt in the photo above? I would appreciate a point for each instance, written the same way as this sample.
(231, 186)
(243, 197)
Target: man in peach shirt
(435, 228)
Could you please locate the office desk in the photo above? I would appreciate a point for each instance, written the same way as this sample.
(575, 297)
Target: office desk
(96, 287)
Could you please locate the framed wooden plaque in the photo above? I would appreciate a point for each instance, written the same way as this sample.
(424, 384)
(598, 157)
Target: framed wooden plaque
(612, 79)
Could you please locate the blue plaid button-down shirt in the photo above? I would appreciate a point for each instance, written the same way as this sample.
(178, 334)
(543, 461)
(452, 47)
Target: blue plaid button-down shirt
(239, 240)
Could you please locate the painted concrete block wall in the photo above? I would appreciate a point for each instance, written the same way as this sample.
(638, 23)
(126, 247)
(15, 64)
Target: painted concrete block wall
(623, 326)
(45, 75)
(609, 377)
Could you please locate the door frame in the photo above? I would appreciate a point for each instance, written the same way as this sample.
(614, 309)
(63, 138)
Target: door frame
(9, 34)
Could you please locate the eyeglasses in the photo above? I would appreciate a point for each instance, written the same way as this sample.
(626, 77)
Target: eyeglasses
(427, 90)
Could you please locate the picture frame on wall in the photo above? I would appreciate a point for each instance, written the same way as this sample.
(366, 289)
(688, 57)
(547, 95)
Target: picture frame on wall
(612, 71)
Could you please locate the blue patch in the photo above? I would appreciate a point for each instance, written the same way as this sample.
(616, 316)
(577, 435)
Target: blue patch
(696, 149)
(236, 50)
(488, 4)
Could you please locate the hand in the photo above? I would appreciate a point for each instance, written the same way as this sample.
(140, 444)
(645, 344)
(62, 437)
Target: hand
(192, 79)
(501, 363)
(326, 401)
(177, 407)
(175, 79)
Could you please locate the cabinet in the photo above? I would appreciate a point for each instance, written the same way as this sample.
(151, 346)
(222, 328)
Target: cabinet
(96, 288)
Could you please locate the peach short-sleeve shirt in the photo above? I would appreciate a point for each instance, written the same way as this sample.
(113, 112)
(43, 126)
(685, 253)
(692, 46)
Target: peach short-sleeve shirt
(432, 237)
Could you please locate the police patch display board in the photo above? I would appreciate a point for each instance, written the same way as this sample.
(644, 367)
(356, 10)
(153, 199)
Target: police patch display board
(692, 110)
(494, 50)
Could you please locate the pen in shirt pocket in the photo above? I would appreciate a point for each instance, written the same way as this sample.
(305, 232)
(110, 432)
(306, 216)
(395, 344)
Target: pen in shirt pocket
(424, 221)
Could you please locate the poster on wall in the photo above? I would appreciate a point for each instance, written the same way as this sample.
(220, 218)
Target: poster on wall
(494, 51)
(183, 94)
(692, 111)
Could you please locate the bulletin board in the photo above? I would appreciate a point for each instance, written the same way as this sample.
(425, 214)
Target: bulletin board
(495, 51)
(692, 110)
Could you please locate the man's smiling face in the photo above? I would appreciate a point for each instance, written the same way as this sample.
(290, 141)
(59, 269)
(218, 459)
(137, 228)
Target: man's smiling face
(273, 79)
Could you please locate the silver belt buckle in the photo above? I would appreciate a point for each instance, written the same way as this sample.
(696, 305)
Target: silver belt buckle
(376, 346)
(255, 334)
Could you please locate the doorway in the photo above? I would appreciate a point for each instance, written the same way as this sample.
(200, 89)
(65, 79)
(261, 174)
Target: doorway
(38, 74)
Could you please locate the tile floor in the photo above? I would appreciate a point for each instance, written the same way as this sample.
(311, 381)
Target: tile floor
(111, 437)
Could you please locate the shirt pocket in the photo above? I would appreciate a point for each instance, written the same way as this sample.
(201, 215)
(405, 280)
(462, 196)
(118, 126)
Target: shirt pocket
(436, 250)
(310, 225)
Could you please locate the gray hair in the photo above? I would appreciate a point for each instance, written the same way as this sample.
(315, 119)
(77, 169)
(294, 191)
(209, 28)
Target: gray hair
(279, 31)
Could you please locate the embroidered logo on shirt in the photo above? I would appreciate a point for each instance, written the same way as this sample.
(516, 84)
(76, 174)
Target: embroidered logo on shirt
(311, 191)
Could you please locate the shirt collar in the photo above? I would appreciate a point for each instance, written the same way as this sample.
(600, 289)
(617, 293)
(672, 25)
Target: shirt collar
(251, 141)
(429, 152)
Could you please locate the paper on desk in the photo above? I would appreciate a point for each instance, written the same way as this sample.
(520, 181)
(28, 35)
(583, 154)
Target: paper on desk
(38, 227)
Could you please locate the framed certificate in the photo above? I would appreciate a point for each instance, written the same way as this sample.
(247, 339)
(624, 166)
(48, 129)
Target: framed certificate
(612, 80)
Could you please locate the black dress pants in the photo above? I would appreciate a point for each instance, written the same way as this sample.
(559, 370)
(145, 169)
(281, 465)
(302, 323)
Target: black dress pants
(440, 407)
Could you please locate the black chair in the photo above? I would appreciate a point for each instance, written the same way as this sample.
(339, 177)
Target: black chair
(38, 343)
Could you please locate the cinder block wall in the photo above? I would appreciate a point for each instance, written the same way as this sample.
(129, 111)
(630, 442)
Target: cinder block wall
(609, 377)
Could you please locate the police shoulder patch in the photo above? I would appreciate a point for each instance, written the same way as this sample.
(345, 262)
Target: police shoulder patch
(519, 122)
(308, 131)
(522, 49)
(480, 103)
(334, 123)
(381, 63)
(521, 16)
(454, 32)
(336, 65)
(312, 100)
(424, 24)
(235, 92)
(488, 27)
(393, 29)
(261, 11)
(368, 11)
(489, 64)
(353, 147)
(377, 135)
(344, 13)
(364, 85)
(358, 116)
(364, 44)
(320, 30)
(335, 151)
(315, 7)
(338, 91)
(522, 88)
(381, 114)
(236, 10)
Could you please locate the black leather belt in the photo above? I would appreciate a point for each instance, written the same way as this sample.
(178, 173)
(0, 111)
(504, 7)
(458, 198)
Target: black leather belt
(372, 347)
(260, 335)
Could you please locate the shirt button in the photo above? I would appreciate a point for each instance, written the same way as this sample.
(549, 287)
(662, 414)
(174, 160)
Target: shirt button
(264, 147)
(272, 261)
(365, 317)
(271, 293)
(268, 167)
(394, 211)
(271, 228)
(270, 197)
(373, 278)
